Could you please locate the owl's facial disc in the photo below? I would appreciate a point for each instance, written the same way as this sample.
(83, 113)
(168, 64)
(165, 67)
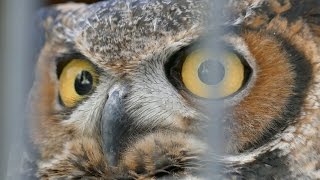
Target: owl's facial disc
(133, 104)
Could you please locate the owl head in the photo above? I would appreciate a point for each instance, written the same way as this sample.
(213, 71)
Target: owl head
(127, 90)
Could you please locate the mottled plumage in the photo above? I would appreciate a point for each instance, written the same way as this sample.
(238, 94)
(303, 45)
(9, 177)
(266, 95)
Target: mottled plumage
(140, 122)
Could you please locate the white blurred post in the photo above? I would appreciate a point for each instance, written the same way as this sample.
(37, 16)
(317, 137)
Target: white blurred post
(16, 20)
(215, 130)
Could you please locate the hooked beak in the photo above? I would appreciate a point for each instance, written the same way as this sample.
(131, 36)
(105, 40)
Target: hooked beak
(114, 123)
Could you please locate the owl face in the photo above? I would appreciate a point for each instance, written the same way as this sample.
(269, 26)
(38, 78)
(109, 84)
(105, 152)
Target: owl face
(125, 89)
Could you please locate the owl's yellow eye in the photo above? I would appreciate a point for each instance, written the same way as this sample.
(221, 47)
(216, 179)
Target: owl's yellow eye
(210, 78)
(78, 78)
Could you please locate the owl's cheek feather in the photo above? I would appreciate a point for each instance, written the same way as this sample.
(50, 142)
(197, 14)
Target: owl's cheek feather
(273, 100)
(47, 130)
(156, 155)
(161, 154)
(80, 158)
(260, 108)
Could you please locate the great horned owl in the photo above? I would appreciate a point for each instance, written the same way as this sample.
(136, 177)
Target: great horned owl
(122, 88)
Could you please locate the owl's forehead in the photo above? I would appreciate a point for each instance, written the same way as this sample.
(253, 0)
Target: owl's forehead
(131, 30)
(128, 30)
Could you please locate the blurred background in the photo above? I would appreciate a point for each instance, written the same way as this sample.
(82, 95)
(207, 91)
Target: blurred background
(19, 47)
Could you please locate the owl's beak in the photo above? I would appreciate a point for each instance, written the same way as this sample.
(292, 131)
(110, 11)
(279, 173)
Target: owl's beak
(113, 122)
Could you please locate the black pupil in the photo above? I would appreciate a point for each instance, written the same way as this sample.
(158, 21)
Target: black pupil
(83, 83)
(211, 72)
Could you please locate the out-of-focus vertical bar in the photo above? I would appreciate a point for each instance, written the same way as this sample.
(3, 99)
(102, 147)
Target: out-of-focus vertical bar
(15, 75)
(3, 149)
(215, 129)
